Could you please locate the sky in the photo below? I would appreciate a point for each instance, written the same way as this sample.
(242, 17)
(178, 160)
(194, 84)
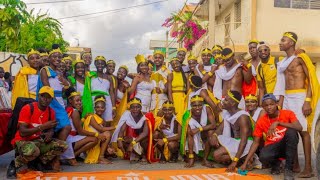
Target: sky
(116, 35)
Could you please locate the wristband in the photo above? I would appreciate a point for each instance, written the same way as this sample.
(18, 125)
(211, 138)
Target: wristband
(200, 129)
(133, 142)
(114, 108)
(39, 128)
(165, 140)
(235, 159)
(308, 100)
(191, 156)
(120, 139)
(96, 134)
(210, 74)
(203, 72)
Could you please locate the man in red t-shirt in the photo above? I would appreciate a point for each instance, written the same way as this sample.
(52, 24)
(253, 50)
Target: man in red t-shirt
(279, 128)
(34, 136)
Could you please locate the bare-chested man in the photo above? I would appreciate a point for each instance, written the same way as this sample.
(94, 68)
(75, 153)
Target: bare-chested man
(295, 86)
(196, 131)
(253, 51)
(233, 137)
(231, 76)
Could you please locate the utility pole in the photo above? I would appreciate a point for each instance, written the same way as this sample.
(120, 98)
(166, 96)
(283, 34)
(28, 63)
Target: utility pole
(167, 45)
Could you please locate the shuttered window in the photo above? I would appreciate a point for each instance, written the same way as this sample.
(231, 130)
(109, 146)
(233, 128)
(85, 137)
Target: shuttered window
(297, 4)
(237, 14)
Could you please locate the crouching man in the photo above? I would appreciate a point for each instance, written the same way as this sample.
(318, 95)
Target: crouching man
(232, 138)
(134, 134)
(280, 128)
(33, 140)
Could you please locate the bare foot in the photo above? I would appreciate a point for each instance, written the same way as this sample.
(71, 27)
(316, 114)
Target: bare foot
(73, 162)
(190, 163)
(306, 174)
(143, 161)
(207, 163)
(296, 169)
(104, 161)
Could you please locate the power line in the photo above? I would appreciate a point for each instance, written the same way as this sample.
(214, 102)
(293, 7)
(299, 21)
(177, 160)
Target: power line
(49, 2)
(113, 10)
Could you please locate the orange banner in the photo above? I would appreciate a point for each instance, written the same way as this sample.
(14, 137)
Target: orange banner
(190, 174)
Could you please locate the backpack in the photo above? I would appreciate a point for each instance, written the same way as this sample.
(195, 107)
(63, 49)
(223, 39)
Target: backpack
(13, 123)
(260, 72)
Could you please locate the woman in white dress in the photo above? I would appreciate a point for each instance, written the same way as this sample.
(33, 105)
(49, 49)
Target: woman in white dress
(142, 85)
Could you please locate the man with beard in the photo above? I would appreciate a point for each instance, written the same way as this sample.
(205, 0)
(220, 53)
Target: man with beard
(231, 76)
(233, 137)
(280, 127)
(197, 128)
(134, 134)
(297, 85)
(266, 71)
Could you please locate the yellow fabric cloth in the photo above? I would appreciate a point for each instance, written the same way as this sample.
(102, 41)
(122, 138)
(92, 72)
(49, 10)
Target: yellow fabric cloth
(268, 71)
(179, 104)
(177, 81)
(92, 154)
(21, 87)
(314, 86)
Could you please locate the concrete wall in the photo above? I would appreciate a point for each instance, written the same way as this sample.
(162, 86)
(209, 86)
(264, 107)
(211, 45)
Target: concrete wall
(12, 62)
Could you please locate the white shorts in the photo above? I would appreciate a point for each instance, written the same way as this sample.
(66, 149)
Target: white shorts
(232, 145)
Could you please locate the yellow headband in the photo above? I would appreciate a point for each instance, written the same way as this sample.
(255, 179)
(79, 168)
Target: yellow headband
(134, 101)
(44, 54)
(251, 97)
(167, 105)
(232, 96)
(193, 84)
(150, 65)
(196, 98)
(159, 52)
(192, 57)
(77, 61)
(74, 94)
(215, 48)
(227, 56)
(289, 35)
(99, 99)
(174, 59)
(124, 67)
(55, 51)
(67, 58)
(101, 58)
(33, 52)
(217, 56)
(63, 60)
(182, 49)
(253, 41)
(206, 51)
(111, 62)
(86, 53)
(140, 59)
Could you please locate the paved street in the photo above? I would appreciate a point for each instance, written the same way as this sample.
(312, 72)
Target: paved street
(121, 164)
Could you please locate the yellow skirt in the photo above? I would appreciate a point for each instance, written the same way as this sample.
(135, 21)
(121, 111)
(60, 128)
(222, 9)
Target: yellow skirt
(179, 104)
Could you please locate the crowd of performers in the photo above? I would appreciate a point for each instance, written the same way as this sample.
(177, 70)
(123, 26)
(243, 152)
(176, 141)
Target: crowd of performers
(222, 109)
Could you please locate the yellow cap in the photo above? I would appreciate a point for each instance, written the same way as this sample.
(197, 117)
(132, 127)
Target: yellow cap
(192, 57)
(140, 58)
(182, 49)
(32, 52)
(206, 51)
(47, 89)
(159, 52)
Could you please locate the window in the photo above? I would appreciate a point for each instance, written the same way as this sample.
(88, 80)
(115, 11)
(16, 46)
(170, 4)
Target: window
(237, 14)
(227, 20)
(297, 4)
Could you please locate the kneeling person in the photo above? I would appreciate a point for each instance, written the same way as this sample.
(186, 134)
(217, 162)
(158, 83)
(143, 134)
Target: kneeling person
(196, 130)
(232, 138)
(281, 129)
(168, 134)
(34, 136)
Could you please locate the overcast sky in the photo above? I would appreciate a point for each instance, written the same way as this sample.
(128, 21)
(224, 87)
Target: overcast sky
(115, 35)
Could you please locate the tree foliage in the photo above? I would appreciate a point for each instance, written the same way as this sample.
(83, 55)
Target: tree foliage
(21, 30)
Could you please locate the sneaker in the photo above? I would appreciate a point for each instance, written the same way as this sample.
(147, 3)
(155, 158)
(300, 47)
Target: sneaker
(288, 174)
(256, 162)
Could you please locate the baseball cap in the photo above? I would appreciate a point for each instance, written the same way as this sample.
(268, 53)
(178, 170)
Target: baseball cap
(269, 96)
(47, 89)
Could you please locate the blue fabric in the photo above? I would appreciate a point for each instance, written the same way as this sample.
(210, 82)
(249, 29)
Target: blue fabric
(61, 114)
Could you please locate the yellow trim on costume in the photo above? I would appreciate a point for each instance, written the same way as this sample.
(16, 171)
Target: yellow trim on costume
(174, 59)
(196, 98)
(251, 97)
(232, 96)
(159, 52)
(193, 84)
(67, 58)
(74, 94)
(182, 49)
(293, 91)
(217, 56)
(215, 47)
(167, 105)
(99, 99)
(140, 58)
(101, 58)
(206, 51)
(77, 61)
(55, 51)
(289, 35)
(192, 57)
(111, 62)
(227, 56)
(86, 53)
(44, 54)
(124, 67)
(253, 41)
(33, 52)
(134, 101)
